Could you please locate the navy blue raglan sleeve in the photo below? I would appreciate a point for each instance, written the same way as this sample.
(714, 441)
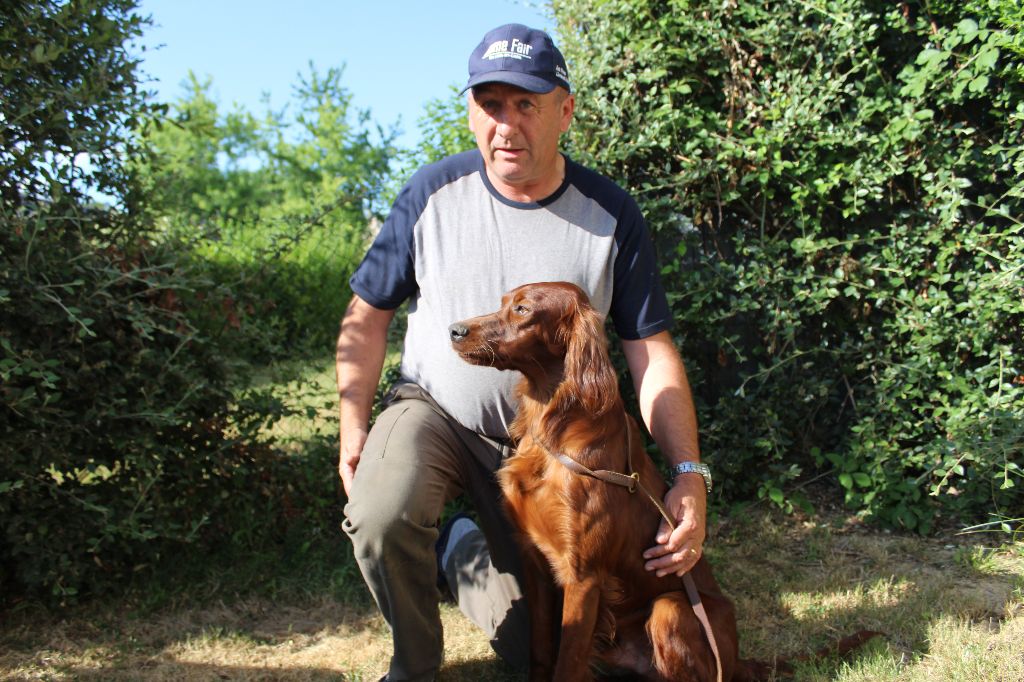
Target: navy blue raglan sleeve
(639, 305)
(386, 277)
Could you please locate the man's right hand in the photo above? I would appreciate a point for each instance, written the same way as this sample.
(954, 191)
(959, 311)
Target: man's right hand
(351, 450)
(362, 344)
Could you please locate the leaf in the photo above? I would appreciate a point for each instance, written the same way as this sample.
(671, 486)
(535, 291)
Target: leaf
(988, 57)
(846, 480)
(907, 517)
(978, 84)
(929, 55)
(968, 28)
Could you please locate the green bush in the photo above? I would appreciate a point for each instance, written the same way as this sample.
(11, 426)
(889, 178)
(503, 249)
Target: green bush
(115, 416)
(275, 210)
(122, 443)
(836, 193)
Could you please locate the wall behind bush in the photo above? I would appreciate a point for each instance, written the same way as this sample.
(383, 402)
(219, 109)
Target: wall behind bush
(835, 188)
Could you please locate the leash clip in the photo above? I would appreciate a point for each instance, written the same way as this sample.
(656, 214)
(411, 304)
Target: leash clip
(635, 482)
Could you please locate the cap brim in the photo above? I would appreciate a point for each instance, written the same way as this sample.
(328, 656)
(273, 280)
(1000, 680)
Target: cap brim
(520, 80)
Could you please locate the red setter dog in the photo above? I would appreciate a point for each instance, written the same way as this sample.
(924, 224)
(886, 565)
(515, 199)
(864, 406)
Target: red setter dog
(580, 534)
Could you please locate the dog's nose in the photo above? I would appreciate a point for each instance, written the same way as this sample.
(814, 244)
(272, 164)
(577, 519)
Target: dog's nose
(458, 332)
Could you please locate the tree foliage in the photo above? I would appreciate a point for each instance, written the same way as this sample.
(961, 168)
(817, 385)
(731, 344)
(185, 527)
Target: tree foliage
(443, 130)
(276, 208)
(120, 441)
(836, 191)
(835, 187)
(67, 95)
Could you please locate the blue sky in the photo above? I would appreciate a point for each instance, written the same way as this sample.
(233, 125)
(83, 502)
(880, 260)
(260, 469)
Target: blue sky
(396, 55)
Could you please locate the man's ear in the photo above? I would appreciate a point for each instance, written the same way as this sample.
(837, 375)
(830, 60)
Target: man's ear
(568, 107)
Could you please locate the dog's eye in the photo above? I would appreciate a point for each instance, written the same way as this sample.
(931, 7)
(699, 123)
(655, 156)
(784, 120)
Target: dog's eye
(520, 310)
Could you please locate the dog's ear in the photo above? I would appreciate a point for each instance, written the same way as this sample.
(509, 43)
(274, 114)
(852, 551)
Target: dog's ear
(589, 374)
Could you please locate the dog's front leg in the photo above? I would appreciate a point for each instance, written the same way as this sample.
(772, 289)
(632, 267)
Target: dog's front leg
(542, 601)
(579, 620)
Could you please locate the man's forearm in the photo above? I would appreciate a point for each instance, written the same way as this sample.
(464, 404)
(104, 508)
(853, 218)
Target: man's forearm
(359, 359)
(667, 406)
(663, 393)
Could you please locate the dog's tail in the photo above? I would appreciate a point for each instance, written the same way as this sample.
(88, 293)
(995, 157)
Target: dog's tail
(749, 670)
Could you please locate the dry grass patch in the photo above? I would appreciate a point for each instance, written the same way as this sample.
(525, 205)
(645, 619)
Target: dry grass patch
(951, 609)
(251, 640)
(801, 583)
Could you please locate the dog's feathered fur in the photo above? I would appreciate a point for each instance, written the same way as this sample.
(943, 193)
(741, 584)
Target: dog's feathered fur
(581, 535)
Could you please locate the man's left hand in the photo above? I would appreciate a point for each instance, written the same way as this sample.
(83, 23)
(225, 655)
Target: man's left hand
(677, 551)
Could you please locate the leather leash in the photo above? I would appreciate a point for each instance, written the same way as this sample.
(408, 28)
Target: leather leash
(631, 481)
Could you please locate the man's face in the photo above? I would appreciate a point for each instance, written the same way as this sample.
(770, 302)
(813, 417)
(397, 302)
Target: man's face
(517, 132)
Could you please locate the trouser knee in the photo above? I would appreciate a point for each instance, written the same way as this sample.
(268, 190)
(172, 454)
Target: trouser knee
(378, 533)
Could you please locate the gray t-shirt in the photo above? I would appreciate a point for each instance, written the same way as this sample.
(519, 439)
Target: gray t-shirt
(453, 245)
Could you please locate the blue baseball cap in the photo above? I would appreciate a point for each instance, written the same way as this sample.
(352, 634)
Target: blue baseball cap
(518, 55)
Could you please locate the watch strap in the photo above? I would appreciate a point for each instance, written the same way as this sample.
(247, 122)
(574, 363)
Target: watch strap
(694, 468)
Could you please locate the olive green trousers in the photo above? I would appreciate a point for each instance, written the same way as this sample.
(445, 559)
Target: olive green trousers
(415, 460)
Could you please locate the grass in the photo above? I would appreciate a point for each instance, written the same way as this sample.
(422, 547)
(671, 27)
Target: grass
(808, 580)
(309, 387)
(951, 607)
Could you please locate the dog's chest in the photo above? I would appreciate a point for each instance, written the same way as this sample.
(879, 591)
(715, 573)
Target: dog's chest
(544, 501)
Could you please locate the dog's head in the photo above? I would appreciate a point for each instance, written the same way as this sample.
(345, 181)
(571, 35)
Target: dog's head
(550, 333)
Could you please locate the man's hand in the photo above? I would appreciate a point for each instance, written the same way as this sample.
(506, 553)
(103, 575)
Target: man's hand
(678, 550)
(351, 451)
(362, 343)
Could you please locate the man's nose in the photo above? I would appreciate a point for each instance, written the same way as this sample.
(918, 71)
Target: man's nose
(508, 123)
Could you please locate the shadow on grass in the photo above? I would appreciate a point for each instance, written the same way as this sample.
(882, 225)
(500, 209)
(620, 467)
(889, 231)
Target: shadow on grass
(798, 583)
(801, 584)
(176, 670)
(473, 671)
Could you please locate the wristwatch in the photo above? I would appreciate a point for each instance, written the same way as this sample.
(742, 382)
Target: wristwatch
(694, 468)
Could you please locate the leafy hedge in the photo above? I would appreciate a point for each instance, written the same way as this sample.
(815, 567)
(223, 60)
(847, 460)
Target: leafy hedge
(121, 443)
(115, 420)
(836, 192)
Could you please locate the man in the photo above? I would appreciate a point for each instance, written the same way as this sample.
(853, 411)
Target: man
(461, 233)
